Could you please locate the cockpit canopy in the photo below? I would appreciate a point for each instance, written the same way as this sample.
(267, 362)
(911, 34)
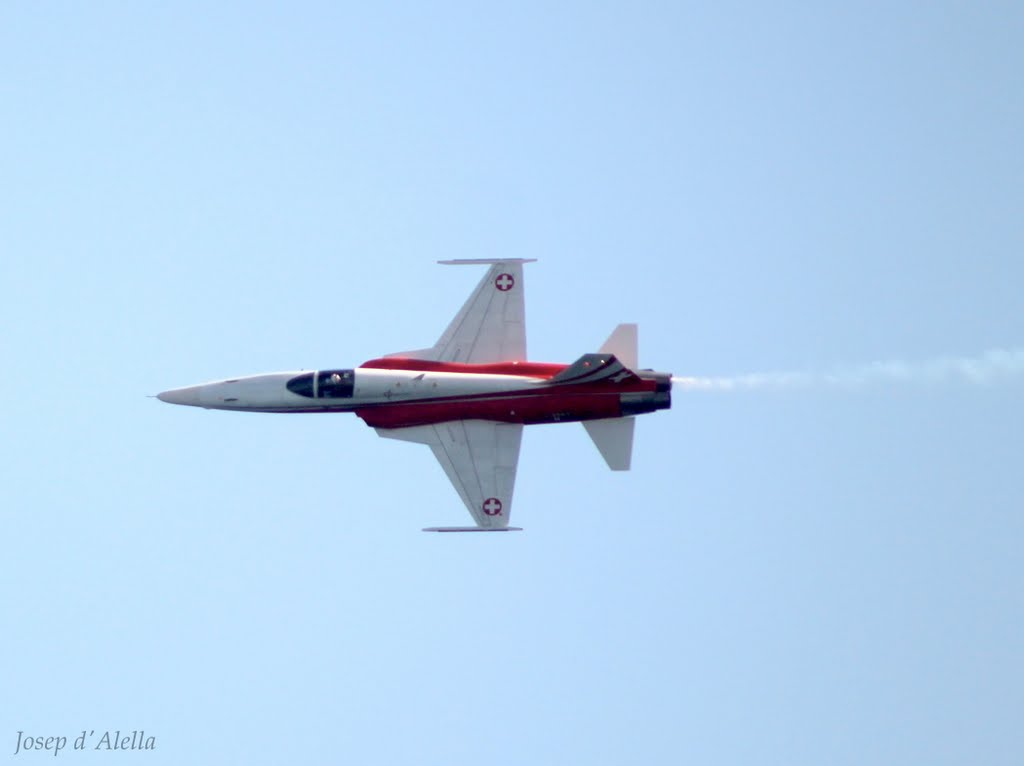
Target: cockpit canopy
(325, 384)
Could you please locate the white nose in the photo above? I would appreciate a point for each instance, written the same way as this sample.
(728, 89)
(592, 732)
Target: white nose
(188, 395)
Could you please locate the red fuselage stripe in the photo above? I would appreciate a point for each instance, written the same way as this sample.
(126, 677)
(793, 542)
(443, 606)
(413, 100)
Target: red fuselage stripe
(512, 409)
(528, 369)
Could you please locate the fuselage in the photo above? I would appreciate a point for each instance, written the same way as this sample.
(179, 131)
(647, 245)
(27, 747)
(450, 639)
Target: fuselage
(400, 392)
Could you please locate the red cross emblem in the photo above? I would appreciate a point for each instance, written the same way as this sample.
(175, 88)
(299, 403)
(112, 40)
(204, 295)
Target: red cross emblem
(505, 282)
(492, 506)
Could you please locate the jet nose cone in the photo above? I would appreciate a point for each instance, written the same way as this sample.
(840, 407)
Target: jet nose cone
(188, 396)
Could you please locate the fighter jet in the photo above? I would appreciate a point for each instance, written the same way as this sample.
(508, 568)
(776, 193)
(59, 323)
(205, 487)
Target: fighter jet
(469, 395)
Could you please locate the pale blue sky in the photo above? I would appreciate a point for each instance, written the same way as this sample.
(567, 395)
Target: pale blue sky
(822, 576)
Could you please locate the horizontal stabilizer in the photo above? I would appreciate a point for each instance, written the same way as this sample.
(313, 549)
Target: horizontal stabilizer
(614, 439)
(472, 529)
(623, 343)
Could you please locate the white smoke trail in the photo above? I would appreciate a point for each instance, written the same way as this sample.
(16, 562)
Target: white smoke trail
(992, 367)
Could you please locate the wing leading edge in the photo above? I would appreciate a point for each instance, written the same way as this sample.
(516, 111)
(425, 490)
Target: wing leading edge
(491, 325)
(480, 458)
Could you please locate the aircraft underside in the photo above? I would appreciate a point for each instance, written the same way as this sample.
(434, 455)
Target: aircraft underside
(469, 396)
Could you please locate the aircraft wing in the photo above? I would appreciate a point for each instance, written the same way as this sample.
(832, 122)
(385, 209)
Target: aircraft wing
(491, 326)
(480, 459)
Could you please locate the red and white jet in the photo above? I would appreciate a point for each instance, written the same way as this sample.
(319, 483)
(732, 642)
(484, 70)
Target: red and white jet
(470, 394)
